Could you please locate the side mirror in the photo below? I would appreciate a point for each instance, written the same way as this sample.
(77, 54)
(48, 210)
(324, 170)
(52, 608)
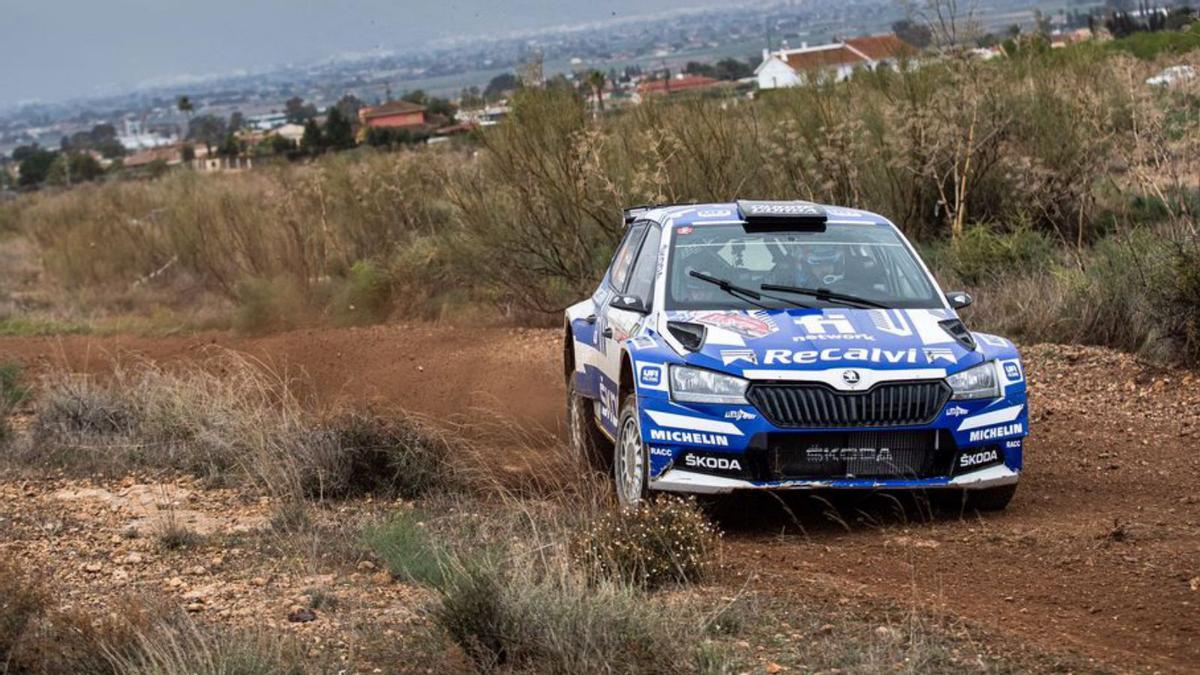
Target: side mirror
(959, 299)
(631, 303)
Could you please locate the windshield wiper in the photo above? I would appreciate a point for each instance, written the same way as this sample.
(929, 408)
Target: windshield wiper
(826, 295)
(749, 294)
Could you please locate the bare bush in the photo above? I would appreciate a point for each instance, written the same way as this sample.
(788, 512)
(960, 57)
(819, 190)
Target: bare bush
(384, 454)
(22, 600)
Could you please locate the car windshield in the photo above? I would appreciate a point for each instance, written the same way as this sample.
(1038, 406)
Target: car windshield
(870, 262)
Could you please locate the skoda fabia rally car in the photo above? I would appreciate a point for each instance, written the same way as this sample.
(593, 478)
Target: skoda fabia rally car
(787, 345)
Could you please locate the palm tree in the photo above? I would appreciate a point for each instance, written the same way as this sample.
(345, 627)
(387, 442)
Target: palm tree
(596, 80)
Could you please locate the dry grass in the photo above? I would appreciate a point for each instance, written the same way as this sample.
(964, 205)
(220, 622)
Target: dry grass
(529, 222)
(510, 566)
(512, 590)
(229, 418)
(133, 635)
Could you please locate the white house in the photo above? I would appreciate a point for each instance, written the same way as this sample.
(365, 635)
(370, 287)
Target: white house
(835, 61)
(292, 132)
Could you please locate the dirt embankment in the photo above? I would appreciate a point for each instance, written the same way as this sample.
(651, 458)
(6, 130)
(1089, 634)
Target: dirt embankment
(1099, 553)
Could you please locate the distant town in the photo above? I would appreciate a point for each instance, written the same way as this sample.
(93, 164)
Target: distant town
(431, 95)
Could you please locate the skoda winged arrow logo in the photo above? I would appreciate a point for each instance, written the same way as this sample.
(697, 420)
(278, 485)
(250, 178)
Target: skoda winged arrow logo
(850, 377)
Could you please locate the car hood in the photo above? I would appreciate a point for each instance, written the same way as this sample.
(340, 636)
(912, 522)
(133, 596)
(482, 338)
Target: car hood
(763, 343)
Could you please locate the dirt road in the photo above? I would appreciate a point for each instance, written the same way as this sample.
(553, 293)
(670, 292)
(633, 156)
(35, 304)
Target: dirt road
(1099, 554)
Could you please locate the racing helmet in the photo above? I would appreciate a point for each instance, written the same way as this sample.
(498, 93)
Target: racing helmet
(825, 263)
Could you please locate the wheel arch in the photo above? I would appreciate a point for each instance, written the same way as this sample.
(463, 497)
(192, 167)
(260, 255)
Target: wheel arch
(568, 349)
(625, 382)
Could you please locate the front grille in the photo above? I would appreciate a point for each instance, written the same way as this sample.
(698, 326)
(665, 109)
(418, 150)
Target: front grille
(815, 406)
(865, 454)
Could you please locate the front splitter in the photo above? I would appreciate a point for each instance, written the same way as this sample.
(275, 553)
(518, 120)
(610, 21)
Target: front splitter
(678, 480)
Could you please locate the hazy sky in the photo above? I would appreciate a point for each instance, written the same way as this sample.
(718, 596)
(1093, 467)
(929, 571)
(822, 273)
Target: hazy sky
(56, 49)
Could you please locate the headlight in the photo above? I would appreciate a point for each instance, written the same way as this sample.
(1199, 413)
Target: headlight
(977, 382)
(696, 385)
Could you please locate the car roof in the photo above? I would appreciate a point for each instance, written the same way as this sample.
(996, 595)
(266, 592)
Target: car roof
(679, 215)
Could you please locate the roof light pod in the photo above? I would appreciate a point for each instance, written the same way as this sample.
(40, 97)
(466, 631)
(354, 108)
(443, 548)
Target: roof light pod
(763, 216)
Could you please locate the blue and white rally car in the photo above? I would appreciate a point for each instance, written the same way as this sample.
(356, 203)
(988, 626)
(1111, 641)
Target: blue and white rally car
(787, 345)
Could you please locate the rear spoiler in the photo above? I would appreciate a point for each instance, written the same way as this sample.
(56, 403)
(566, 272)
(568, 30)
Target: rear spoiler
(779, 215)
(634, 212)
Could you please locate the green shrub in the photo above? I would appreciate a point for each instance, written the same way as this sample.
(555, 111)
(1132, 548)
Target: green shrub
(265, 305)
(1138, 291)
(668, 541)
(551, 621)
(1148, 45)
(473, 612)
(408, 550)
(12, 395)
(25, 326)
(364, 296)
(1177, 301)
(984, 254)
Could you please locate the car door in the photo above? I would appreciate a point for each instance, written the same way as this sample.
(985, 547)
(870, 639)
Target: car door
(605, 334)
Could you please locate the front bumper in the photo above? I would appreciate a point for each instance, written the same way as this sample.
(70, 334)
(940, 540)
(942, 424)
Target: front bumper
(680, 480)
(714, 449)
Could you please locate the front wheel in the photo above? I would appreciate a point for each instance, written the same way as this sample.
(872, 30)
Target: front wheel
(630, 466)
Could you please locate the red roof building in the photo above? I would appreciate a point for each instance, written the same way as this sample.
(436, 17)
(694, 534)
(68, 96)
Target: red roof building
(887, 47)
(675, 85)
(835, 61)
(394, 114)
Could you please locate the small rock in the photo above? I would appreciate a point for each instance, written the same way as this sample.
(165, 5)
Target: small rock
(366, 566)
(826, 629)
(92, 567)
(1195, 584)
(301, 615)
(175, 582)
(197, 570)
(884, 632)
(258, 581)
(133, 558)
(381, 578)
(773, 668)
(194, 606)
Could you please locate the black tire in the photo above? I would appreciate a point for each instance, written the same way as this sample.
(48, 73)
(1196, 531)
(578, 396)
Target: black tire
(623, 478)
(588, 443)
(991, 499)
